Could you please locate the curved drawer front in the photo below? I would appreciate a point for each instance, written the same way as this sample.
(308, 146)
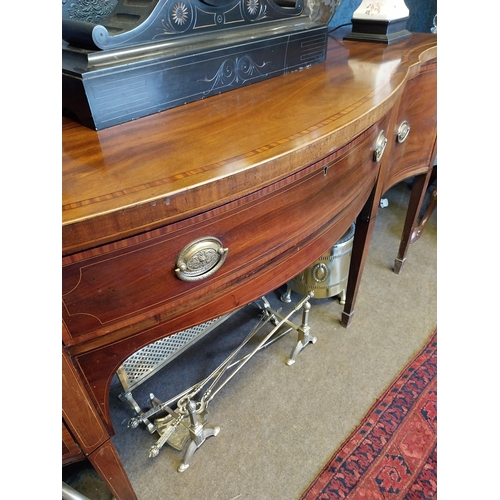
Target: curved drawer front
(415, 129)
(135, 283)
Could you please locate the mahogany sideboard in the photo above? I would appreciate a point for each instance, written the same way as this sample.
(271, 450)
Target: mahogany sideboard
(274, 173)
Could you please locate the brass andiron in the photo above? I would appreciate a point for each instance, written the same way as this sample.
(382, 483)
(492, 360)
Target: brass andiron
(304, 335)
(187, 423)
(197, 434)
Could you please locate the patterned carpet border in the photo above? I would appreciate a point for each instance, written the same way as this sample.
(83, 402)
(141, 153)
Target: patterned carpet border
(392, 454)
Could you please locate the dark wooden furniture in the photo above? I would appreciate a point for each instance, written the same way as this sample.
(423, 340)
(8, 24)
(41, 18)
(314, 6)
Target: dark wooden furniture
(416, 154)
(417, 230)
(277, 171)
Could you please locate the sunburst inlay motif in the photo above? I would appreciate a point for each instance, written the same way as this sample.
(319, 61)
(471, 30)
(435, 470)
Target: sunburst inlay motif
(180, 13)
(252, 6)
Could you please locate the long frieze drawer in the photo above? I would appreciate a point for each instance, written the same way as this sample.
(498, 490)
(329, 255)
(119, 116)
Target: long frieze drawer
(415, 127)
(133, 284)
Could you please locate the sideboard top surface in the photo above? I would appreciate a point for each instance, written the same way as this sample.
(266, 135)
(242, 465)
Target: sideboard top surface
(162, 168)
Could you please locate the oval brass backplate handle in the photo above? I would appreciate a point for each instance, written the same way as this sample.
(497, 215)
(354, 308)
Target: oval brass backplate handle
(380, 146)
(200, 259)
(403, 131)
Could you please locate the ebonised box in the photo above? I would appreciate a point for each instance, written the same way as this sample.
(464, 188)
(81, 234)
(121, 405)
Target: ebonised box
(133, 58)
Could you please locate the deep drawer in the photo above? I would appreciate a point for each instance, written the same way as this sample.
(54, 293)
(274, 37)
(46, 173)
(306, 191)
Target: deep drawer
(411, 153)
(133, 282)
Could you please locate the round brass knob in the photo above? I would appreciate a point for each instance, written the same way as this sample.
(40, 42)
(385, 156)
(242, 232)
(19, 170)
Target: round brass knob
(403, 132)
(380, 146)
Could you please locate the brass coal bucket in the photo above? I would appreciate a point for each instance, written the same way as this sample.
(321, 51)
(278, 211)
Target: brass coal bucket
(327, 276)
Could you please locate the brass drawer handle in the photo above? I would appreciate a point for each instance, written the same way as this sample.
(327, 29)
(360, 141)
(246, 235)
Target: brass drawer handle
(403, 131)
(380, 146)
(200, 259)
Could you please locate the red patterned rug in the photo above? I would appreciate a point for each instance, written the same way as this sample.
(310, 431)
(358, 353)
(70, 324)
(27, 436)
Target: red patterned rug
(392, 453)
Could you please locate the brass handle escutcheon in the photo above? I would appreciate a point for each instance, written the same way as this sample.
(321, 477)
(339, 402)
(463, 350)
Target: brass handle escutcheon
(380, 146)
(403, 131)
(200, 259)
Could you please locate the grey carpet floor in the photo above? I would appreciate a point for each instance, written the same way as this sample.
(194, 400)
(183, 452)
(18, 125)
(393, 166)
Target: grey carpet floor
(280, 424)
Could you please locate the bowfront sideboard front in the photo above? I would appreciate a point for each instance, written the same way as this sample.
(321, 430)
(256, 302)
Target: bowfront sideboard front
(275, 173)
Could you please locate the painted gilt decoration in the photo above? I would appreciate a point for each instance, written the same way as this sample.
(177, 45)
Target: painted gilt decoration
(180, 14)
(235, 71)
(181, 17)
(252, 6)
